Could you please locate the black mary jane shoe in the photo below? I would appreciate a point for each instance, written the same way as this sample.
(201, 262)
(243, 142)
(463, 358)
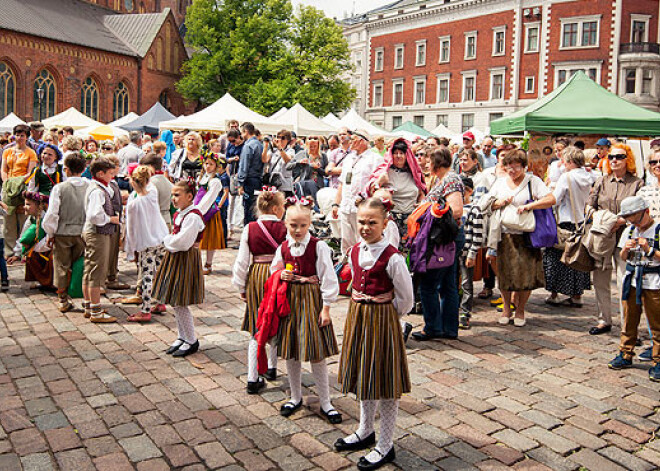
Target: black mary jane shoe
(600, 329)
(271, 374)
(407, 328)
(333, 416)
(173, 348)
(288, 408)
(366, 442)
(366, 465)
(184, 353)
(253, 387)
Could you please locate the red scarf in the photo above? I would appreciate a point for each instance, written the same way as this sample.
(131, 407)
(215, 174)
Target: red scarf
(101, 182)
(274, 305)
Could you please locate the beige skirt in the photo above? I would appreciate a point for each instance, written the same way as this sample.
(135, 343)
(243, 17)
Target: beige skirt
(179, 281)
(519, 268)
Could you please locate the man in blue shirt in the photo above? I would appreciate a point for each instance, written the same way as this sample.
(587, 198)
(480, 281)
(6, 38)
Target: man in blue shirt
(234, 148)
(250, 170)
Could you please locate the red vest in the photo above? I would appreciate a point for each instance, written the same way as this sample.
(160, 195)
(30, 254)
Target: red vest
(305, 265)
(259, 243)
(374, 281)
(176, 228)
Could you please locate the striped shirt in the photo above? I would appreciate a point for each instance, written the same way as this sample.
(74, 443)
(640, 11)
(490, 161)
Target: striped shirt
(474, 230)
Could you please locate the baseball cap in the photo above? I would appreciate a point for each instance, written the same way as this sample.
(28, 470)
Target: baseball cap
(468, 135)
(603, 142)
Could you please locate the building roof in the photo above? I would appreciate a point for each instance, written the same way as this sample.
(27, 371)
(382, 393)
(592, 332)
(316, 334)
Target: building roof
(84, 24)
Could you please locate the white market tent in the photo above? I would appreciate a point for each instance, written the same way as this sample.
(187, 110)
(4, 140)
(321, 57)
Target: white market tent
(125, 119)
(279, 113)
(332, 120)
(302, 122)
(8, 122)
(354, 121)
(70, 117)
(216, 116)
(102, 132)
(444, 131)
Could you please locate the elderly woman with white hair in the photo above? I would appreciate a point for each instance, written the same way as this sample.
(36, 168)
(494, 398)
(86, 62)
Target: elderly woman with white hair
(187, 162)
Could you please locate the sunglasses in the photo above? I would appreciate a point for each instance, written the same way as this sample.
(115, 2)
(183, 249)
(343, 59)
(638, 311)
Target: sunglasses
(421, 154)
(466, 139)
(654, 162)
(617, 156)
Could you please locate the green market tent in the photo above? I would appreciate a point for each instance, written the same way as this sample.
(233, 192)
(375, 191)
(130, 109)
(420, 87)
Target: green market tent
(581, 106)
(411, 128)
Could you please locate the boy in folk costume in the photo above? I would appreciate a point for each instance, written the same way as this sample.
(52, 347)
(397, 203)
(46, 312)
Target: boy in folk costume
(49, 173)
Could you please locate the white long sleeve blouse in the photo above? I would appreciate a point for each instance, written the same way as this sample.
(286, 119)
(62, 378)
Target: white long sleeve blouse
(145, 227)
(52, 218)
(95, 215)
(324, 268)
(214, 189)
(397, 270)
(191, 226)
(244, 257)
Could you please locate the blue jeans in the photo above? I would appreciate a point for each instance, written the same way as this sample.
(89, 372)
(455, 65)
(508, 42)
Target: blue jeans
(250, 199)
(441, 314)
(223, 216)
(3, 263)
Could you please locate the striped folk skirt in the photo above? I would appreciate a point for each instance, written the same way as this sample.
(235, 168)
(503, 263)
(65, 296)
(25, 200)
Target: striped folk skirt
(373, 363)
(179, 280)
(254, 293)
(213, 237)
(300, 336)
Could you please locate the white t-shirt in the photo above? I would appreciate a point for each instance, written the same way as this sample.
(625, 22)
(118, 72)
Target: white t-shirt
(521, 194)
(650, 281)
(357, 169)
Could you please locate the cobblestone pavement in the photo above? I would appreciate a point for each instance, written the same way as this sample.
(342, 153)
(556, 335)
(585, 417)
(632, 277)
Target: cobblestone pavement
(78, 396)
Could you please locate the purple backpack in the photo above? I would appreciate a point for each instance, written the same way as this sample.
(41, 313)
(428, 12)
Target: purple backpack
(422, 256)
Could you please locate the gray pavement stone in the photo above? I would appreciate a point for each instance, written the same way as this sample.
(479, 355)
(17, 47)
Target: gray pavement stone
(140, 448)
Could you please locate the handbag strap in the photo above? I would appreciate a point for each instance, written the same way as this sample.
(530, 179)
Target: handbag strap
(267, 234)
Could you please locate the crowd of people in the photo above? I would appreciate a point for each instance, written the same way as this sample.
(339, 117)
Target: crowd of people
(420, 222)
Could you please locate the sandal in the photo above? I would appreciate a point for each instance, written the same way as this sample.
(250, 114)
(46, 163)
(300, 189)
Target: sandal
(139, 317)
(289, 407)
(333, 416)
(207, 269)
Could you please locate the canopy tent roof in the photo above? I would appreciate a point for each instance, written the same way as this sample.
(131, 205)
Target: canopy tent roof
(354, 121)
(102, 132)
(580, 106)
(302, 122)
(332, 120)
(444, 131)
(410, 128)
(70, 117)
(125, 119)
(150, 120)
(216, 116)
(8, 122)
(279, 112)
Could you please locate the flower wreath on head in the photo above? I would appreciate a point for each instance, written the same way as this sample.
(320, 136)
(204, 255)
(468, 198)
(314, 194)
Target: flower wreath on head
(35, 196)
(305, 201)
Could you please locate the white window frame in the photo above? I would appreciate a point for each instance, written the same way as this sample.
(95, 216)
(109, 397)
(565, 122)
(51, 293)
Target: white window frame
(377, 84)
(470, 34)
(528, 26)
(493, 72)
(463, 127)
(443, 39)
(419, 116)
(441, 119)
(417, 81)
(395, 82)
(403, 56)
(651, 86)
(571, 66)
(643, 19)
(580, 20)
(440, 78)
(420, 44)
(496, 30)
(398, 117)
(379, 52)
(529, 89)
(466, 75)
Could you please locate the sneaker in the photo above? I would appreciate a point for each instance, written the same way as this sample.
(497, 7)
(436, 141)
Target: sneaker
(654, 372)
(463, 321)
(4, 285)
(620, 362)
(495, 302)
(646, 355)
(500, 307)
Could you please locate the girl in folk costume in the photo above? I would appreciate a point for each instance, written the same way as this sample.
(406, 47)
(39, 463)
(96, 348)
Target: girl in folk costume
(373, 362)
(34, 243)
(259, 241)
(179, 281)
(306, 334)
(210, 198)
(145, 232)
(49, 173)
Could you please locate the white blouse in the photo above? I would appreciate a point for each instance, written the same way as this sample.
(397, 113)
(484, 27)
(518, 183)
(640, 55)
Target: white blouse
(52, 218)
(95, 215)
(215, 187)
(324, 267)
(190, 229)
(145, 228)
(244, 257)
(404, 299)
(391, 234)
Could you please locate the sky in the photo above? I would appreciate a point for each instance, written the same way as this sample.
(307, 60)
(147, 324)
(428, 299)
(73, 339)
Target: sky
(337, 8)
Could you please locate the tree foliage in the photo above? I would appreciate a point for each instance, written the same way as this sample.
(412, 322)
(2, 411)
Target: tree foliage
(265, 56)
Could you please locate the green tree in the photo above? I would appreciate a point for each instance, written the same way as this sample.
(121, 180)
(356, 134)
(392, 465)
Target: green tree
(265, 57)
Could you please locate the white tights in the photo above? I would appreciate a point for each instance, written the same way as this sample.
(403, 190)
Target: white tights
(185, 324)
(389, 409)
(320, 372)
(271, 350)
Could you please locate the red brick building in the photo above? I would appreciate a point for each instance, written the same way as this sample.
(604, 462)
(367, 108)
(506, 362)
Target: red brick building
(463, 63)
(96, 56)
